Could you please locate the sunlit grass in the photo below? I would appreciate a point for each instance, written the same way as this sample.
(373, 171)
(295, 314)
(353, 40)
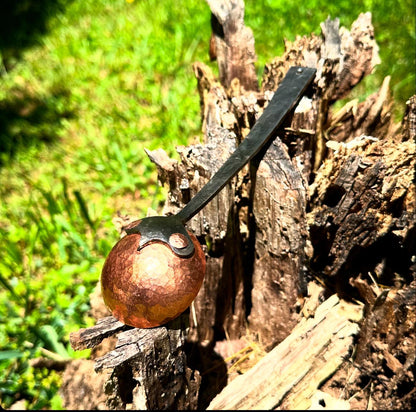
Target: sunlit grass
(82, 106)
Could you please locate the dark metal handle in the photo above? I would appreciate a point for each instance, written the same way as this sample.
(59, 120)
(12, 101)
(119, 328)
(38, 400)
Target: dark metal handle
(285, 98)
(166, 228)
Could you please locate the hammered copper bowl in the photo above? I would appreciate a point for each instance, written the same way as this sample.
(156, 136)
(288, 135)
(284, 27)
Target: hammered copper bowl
(150, 287)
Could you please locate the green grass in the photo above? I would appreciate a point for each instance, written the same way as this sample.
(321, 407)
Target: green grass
(103, 81)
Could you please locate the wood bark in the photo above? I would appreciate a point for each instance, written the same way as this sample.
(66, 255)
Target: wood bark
(233, 43)
(362, 217)
(148, 367)
(91, 337)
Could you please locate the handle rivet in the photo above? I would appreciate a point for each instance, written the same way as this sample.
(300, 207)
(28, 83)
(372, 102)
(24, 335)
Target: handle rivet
(178, 240)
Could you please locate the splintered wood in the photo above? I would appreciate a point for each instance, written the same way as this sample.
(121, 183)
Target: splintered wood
(256, 231)
(147, 368)
(91, 337)
(363, 209)
(291, 373)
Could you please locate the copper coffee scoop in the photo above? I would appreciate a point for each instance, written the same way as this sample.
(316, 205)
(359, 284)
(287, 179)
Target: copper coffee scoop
(154, 273)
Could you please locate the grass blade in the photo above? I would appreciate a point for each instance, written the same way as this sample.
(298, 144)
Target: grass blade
(84, 209)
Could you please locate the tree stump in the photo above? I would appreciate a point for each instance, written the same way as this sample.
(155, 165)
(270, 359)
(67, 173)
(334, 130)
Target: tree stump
(148, 367)
(330, 200)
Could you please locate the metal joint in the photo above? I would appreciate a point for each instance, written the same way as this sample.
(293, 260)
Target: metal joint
(166, 229)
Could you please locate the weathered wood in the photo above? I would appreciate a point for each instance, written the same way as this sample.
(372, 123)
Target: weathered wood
(363, 210)
(149, 369)
(381, 376)
(290, 374)
(388, 340)
(234, 44)
(93, 336)
(279, 203)
(255, 230)
(131, 343)
(343, 57)
(371, 117)
(148, 366)
(409, 120)
(333, 193)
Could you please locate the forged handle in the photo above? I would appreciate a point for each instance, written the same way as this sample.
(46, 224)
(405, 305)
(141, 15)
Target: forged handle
(285, 98)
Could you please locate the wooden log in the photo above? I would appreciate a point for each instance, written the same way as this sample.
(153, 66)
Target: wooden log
(386, 347)
(371, 117)
(342, 57)
(289, 375)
